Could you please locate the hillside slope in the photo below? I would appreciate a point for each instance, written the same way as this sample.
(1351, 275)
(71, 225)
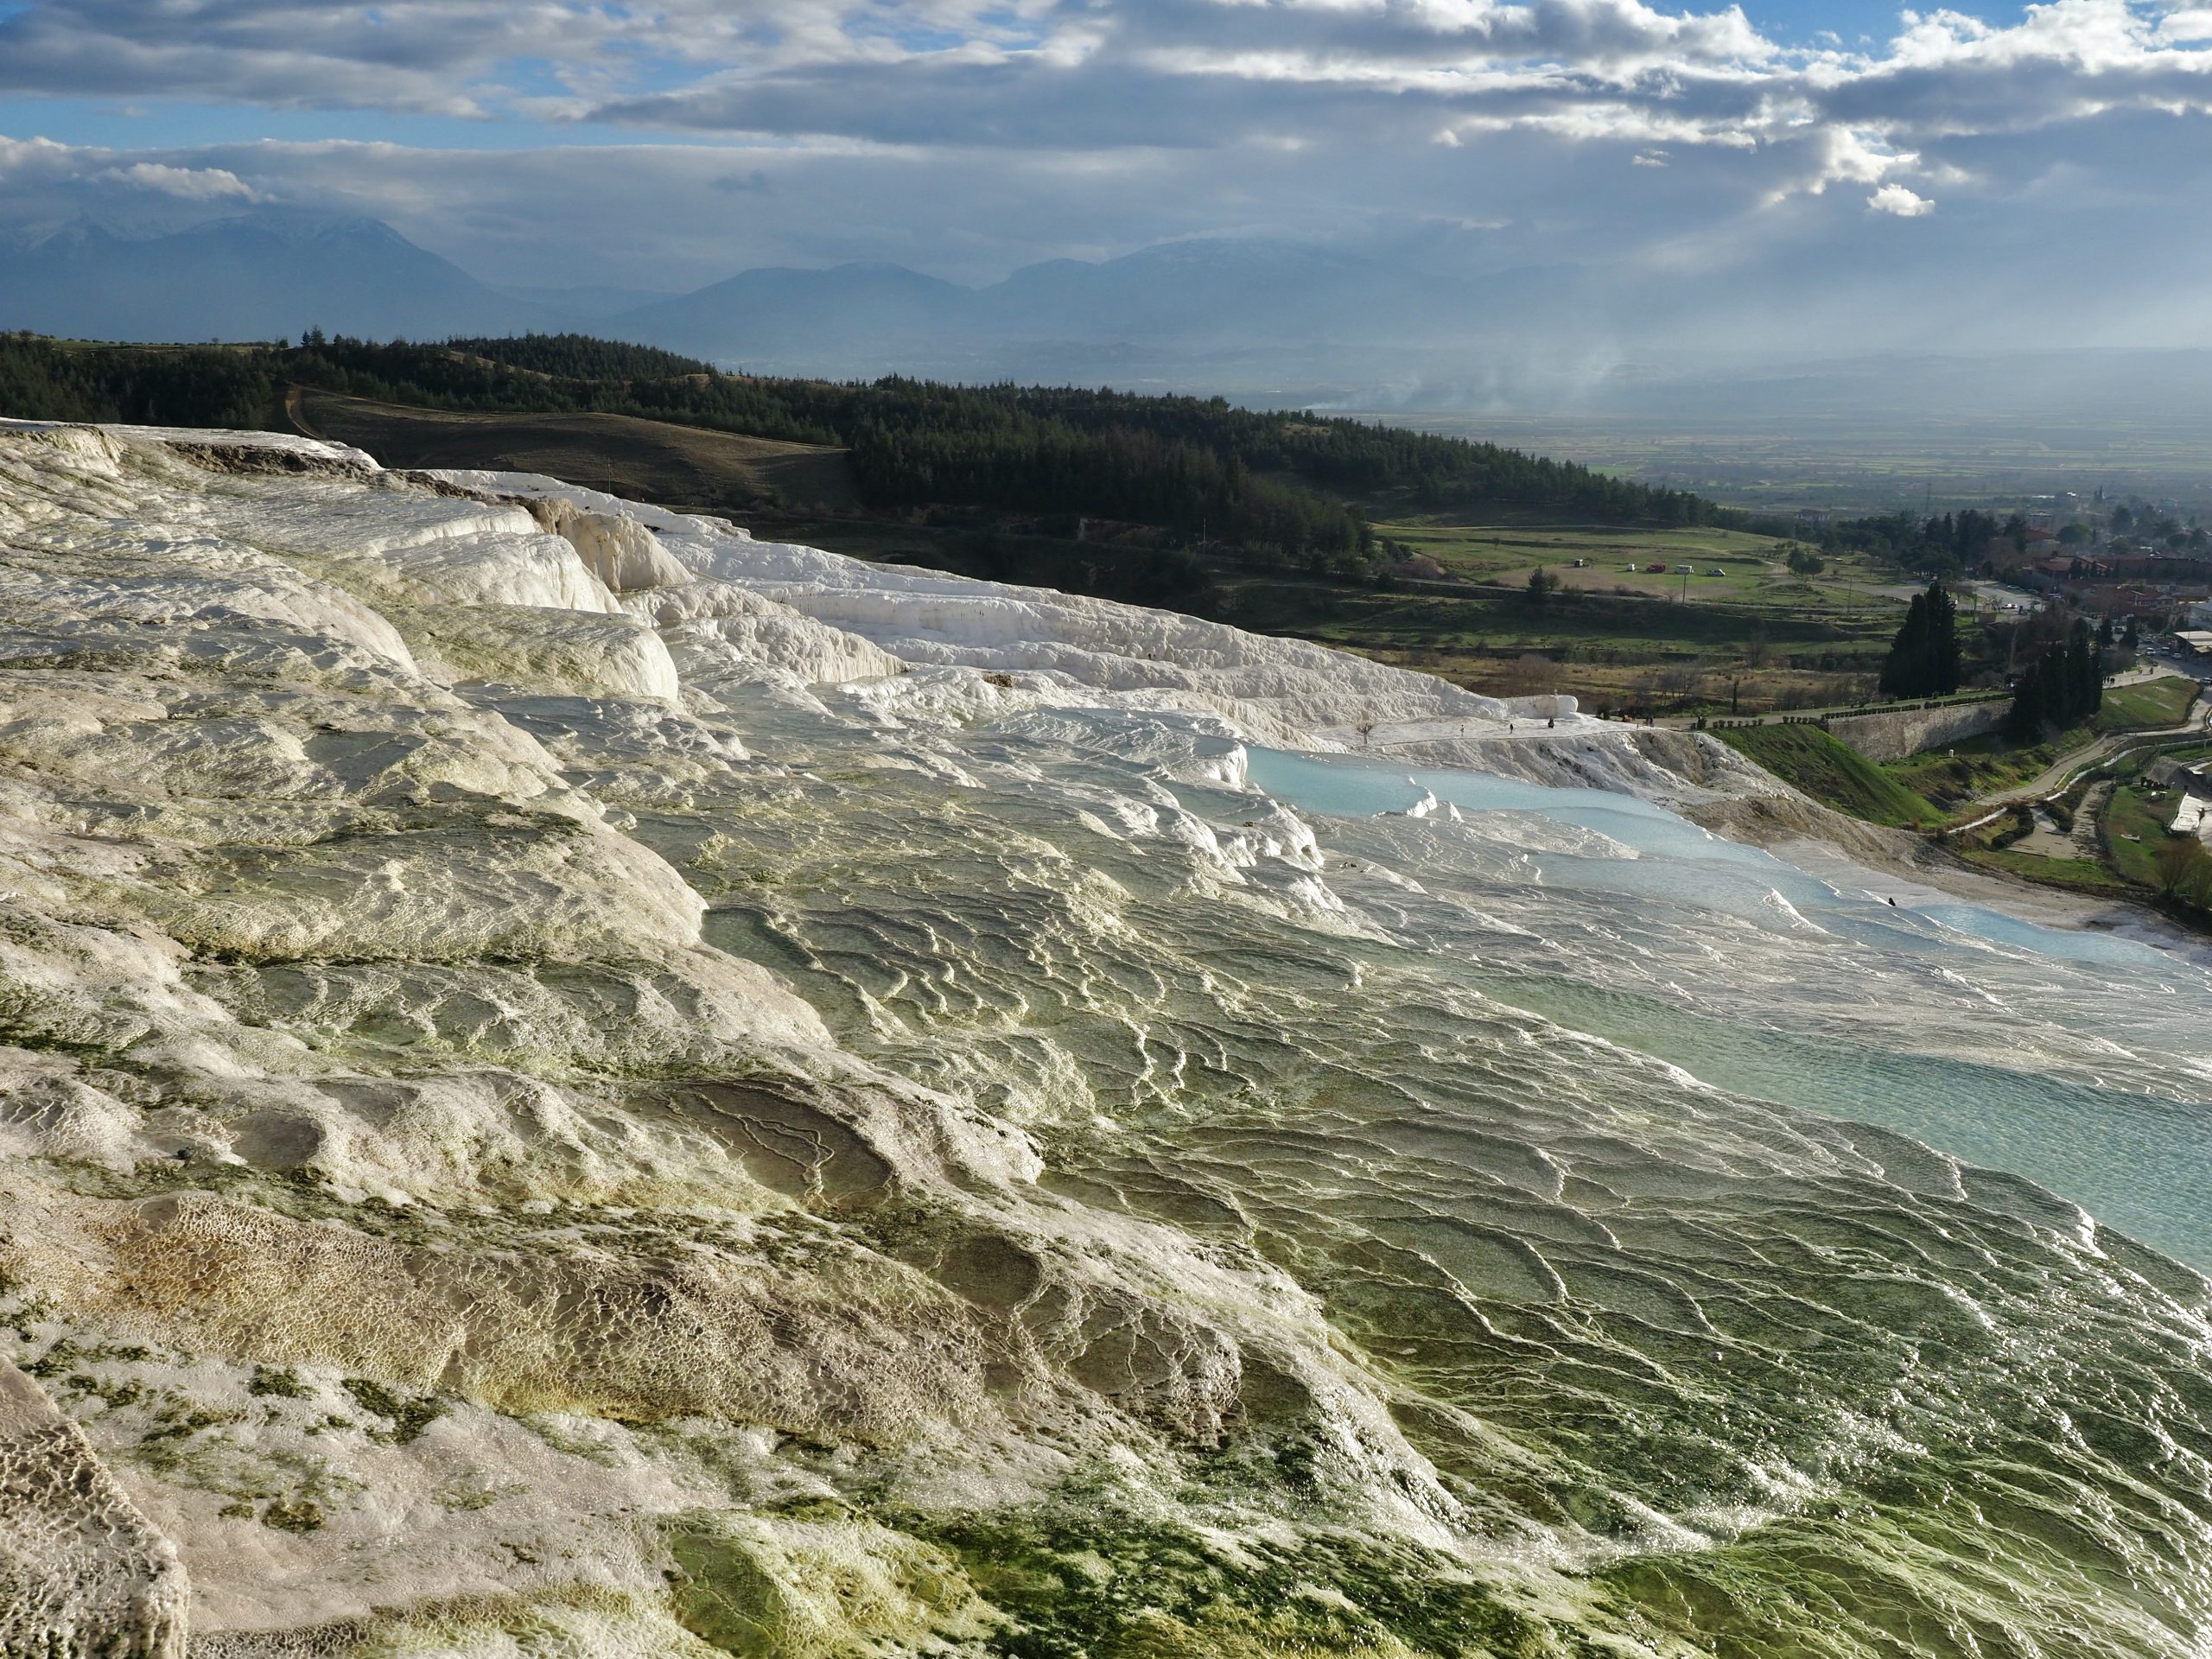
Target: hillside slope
(639, 459)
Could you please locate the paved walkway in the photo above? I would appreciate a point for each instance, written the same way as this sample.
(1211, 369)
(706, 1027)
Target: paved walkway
(2141, 672)
(2046, 839)
(2063, 770)
(2054, 778)
(1841, 711)
(2086, 843)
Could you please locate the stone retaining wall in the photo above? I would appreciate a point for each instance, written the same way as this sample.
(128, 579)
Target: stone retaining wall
(1893, 736)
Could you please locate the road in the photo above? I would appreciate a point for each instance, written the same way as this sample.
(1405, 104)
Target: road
(1997, 596)
(295, 411)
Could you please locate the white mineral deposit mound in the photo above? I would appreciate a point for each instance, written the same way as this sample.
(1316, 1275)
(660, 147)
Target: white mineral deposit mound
(574, 1083)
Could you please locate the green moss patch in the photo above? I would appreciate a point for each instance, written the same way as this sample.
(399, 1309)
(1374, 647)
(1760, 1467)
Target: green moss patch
(408, 1417)
(1100, 1586)
(810, 1585)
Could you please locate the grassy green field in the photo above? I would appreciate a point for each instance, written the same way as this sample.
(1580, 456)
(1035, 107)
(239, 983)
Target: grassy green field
(1960, 773)
(2134, 812)
(1830, 771)
(1753, 638)
(2082, 874)
(1752, 571)
(1612, 652)
(645, 461)
(2147, 705)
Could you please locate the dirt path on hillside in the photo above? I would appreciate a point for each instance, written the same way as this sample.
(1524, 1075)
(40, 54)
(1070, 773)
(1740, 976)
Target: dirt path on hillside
(2086, 816)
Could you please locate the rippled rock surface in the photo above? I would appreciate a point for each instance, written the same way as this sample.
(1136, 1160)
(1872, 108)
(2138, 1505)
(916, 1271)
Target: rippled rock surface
(572, 1083)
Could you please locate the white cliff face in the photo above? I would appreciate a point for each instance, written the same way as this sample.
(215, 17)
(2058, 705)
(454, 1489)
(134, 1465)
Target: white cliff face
(1276, 690)
(572, 1081)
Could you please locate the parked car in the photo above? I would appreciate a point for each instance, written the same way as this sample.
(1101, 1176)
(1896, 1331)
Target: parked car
(1655, 570)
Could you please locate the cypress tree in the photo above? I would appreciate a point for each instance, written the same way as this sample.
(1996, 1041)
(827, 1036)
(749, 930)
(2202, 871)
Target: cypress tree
(1901, 672)
(1944, 642)
(2065, 685)
(2025, 723)
(2084, 684)
(1923, 659)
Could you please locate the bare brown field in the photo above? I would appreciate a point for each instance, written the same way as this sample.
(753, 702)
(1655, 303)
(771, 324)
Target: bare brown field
(645, 461)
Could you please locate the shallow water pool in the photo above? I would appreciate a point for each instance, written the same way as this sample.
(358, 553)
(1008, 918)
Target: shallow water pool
(2082, 1066)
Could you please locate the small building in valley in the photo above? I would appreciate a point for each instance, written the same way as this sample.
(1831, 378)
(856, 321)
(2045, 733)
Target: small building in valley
(2193, 806)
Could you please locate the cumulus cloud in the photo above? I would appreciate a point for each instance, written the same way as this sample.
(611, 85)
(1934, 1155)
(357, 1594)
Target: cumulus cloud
(186, 183)
(1898, 199)
(1083, 73)
(970, 136)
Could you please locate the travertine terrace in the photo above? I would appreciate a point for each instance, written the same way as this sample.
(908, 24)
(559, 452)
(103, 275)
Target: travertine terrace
(572, 1081)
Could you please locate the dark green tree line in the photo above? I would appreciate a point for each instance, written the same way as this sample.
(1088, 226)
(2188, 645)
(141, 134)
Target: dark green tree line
(1271, 481)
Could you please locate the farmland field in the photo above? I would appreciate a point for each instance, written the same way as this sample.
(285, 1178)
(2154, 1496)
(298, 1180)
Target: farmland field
(1752, 571)
(1851, 464)
(1754, 638)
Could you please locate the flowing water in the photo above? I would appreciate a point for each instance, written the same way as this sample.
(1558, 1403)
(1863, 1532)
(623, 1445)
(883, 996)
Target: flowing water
(1720, 1238)
(2130, 1142)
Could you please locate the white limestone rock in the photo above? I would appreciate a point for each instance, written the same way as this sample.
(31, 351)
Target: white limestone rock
(82, 1574)
(444, 1209)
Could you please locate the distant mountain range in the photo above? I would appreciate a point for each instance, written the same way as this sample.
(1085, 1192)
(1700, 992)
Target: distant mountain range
(1195, 313)
(256, 277)
(1415, 324)
(1231, 313)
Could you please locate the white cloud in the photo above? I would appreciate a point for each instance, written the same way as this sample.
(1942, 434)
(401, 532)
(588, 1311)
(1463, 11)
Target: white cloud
(186, 183)
(970, 136)
(1896, 198)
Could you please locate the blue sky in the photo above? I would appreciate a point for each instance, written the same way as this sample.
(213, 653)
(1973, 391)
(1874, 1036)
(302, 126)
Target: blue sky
(1805, 23)
(1845, 152)
(183, 124)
